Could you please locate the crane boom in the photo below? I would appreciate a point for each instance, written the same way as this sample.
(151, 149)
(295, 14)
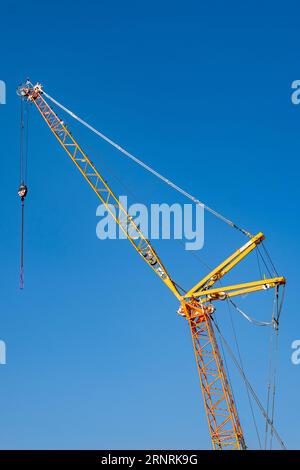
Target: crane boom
(223, 421)
(99, 185)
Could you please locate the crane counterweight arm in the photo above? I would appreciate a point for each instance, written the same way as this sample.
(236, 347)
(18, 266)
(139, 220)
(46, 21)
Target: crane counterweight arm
(98, 184)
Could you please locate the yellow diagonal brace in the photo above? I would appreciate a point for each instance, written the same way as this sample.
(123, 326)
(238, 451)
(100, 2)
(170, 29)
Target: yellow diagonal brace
(226, 266)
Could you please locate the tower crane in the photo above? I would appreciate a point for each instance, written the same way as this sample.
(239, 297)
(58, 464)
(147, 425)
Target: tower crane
(196, 305)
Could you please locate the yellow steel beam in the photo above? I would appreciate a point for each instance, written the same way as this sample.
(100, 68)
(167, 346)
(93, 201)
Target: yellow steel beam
(238, 289)
(226, 266)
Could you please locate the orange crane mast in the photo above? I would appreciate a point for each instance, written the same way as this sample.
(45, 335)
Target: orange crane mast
(197, 305)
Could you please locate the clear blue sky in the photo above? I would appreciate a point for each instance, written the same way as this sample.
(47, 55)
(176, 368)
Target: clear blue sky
(97, 357)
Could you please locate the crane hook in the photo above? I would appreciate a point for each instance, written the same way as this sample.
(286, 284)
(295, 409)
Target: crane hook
(22, 192)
